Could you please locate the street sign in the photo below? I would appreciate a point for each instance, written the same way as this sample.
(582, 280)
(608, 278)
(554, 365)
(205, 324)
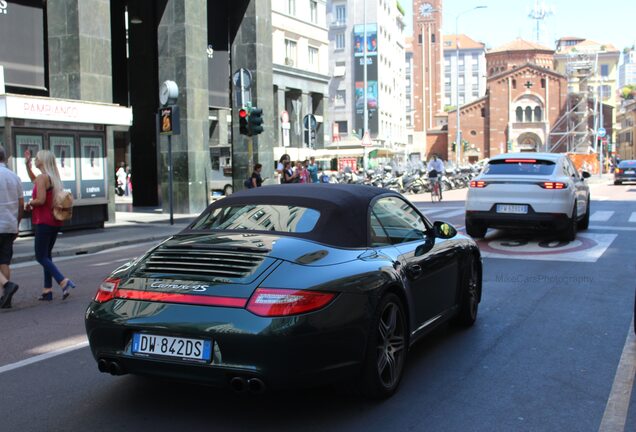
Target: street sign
(366, 139)
(242, 80)
(601, 132)
(309, 121)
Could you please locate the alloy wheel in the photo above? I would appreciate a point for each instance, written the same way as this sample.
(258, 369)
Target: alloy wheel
(391, 344)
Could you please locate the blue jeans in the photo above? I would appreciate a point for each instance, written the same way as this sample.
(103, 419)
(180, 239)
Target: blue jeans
(45, 236)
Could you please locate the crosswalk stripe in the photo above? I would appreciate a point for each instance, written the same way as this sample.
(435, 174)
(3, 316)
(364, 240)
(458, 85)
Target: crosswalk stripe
(632, 217)
(601, 216)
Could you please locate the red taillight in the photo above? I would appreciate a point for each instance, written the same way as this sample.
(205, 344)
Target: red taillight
(553, 185)
(478, 184)
(618, 171)
(107, 290)
(272, 302)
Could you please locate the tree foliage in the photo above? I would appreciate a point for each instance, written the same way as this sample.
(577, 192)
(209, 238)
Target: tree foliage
(628, 92)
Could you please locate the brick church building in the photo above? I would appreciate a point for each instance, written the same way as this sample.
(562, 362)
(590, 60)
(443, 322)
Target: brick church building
(524, 98)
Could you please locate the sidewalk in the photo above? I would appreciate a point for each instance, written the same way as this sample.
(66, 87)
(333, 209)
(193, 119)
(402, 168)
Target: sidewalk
(137, 226)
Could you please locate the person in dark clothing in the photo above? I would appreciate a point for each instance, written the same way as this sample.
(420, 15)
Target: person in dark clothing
(256, 179)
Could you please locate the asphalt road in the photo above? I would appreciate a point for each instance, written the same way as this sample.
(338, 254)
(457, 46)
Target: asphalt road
(543, 355)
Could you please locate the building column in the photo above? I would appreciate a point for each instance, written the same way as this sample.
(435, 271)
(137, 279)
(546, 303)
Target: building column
(280, 104)
(79, 50)
(182, 43)
(252, 50)
(307, 108)
(319, 110)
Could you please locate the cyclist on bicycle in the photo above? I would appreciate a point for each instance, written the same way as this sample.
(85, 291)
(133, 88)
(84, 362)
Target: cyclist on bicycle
(435, 170)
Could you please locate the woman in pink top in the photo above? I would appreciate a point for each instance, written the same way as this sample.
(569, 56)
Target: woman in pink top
(44, 224)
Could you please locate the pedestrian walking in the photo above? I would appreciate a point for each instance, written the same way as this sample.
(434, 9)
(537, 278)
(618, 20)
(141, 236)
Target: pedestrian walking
(281, 166)
(301, 169)
(256, 180)
(312, 168)
(289, 175)
(122, 179)
(11, 205)
(45, 226)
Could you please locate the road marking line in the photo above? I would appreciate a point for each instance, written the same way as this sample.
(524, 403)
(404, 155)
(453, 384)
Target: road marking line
(611, 228)
(617, 407)
(42, 357)
(601, 216)
(632, 217)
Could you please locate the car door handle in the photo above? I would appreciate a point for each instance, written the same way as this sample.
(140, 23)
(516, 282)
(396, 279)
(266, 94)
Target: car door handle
(414, 271)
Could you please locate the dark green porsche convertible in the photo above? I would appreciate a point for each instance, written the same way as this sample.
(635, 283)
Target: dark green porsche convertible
(288, 285)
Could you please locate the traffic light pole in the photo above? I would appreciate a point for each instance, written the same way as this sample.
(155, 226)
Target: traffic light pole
(170, 179)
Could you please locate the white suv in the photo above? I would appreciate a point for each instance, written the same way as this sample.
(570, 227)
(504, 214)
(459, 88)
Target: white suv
(529, 190)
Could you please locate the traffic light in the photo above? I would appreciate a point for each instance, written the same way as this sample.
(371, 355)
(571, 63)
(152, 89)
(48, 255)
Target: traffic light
(256, 121)
(243, 126)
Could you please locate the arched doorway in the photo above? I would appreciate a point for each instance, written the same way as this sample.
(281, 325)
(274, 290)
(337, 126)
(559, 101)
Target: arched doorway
(529, 142)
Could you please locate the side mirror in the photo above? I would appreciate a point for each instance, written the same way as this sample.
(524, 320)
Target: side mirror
(444, 230)
(585, 174)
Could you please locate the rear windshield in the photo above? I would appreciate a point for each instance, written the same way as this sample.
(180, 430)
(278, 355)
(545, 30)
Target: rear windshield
(520, 166)
(259, 217)
(627, 164)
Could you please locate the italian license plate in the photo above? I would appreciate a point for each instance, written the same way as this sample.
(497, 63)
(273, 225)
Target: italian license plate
(630, 172)
(182, 348)
(512, 208)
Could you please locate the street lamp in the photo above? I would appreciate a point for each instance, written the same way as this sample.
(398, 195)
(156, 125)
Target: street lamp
(458, 138)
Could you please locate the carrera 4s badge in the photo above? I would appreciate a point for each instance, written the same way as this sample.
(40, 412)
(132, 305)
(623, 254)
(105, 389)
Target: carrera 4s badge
(182, 287)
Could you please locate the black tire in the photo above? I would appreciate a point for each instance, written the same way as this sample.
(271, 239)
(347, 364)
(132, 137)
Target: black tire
(387, 349)
(227, 190)
(470, 296)
(616, 182)
(584, 223)
(476, 230)
(569, 232)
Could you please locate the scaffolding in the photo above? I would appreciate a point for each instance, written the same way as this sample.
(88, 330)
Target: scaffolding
(572, 132)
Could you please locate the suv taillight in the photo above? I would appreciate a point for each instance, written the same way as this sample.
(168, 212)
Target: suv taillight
(478, 184)
(107, 290)
(553, 185)
(271, 302)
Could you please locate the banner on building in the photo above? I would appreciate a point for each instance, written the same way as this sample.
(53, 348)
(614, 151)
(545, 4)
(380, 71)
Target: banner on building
(372, 77)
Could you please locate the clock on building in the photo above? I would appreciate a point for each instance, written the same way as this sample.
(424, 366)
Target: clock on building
(168, 92)
(426, 9)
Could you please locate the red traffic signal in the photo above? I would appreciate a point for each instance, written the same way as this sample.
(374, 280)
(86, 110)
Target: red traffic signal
(243, 127)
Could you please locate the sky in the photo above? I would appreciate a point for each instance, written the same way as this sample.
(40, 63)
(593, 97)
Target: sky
(504, 20)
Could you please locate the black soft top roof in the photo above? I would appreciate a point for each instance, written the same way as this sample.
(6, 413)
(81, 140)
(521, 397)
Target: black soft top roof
(343, 208)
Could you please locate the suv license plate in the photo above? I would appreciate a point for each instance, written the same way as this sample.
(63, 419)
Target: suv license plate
(182, 348)
(512, 208)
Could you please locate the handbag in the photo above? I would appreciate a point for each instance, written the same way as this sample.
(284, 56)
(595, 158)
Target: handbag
(63, 206)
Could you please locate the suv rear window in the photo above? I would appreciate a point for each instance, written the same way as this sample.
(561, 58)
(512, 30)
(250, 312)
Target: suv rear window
(259, 217)
(520, 166)
(627, 164)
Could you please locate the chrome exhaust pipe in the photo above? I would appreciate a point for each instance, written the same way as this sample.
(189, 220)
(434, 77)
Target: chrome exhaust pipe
(256, 385)
(238, 384)
(102, 365)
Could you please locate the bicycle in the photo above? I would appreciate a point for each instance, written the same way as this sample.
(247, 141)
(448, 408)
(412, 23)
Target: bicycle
(436, 189)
